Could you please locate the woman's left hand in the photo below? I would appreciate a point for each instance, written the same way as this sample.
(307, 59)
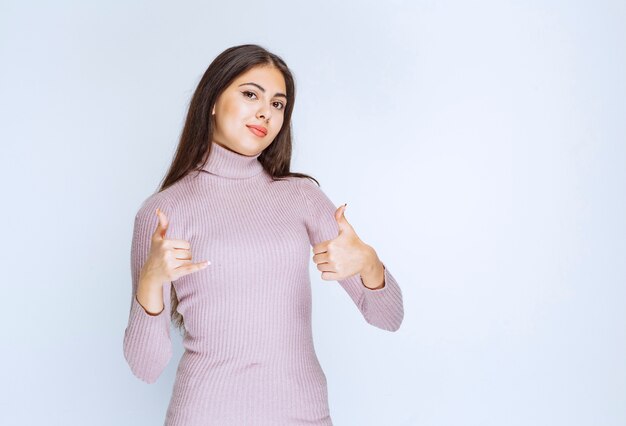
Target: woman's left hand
(345, 255)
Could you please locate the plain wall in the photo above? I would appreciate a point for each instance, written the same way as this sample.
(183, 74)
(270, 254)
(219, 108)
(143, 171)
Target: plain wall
(480, 147)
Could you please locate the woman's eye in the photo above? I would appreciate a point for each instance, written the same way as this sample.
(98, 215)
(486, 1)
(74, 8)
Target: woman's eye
(246, 93)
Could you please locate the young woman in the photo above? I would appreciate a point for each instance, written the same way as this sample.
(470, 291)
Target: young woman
(230, 199)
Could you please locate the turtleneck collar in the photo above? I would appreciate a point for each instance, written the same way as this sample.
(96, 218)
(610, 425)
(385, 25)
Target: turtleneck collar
(230, 164)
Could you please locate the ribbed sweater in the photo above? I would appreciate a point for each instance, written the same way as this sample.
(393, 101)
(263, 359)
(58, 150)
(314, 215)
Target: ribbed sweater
(248, 354)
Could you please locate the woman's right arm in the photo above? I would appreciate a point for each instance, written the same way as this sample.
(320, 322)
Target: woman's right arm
(147, 343)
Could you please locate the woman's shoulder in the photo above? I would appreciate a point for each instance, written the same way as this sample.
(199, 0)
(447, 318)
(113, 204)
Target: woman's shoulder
(313, 198)
(148, 206)
(303, 187)
(309, 188)
(302, 183)
(166, 199)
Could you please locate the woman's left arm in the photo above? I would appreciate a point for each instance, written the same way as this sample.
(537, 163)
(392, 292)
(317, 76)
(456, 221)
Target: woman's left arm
(342, 256)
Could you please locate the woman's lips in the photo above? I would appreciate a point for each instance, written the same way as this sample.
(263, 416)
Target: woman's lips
(256, 131)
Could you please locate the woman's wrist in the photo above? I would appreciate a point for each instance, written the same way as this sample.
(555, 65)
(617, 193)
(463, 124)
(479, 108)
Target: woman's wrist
(150, 295)
(373, 275)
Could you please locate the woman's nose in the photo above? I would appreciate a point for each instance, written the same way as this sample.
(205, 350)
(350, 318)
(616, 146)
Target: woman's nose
(265, 114)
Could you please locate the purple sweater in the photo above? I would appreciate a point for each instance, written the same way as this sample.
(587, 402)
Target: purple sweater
(249, 357)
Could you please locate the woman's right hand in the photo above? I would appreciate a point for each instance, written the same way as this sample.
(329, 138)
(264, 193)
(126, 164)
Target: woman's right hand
(168, 260)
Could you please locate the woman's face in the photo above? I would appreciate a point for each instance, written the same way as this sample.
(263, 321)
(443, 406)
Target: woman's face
(255, 98)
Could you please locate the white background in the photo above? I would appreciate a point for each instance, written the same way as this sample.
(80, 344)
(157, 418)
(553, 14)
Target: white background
(480, 147)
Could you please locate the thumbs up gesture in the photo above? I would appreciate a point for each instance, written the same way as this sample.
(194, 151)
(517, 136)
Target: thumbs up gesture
(168, 260)
(344, 255)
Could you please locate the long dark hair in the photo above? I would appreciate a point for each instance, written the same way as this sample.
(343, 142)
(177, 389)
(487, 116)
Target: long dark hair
(194, 147)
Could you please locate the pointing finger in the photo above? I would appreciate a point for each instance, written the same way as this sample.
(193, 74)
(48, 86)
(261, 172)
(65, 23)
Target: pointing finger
(162, 225)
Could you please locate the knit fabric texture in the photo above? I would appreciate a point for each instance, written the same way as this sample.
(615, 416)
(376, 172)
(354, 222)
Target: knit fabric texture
(248, 354)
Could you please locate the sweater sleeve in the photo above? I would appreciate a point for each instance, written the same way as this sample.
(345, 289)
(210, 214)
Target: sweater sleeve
(147, 344)
(382, 308)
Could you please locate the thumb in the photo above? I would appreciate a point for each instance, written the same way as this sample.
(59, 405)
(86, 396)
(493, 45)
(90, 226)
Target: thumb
(162, 225)
(340, 217)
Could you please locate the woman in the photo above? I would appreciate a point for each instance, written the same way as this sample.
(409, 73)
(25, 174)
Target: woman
(229, 198)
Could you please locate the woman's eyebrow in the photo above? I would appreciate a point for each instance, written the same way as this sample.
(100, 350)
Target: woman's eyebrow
(263, 90)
